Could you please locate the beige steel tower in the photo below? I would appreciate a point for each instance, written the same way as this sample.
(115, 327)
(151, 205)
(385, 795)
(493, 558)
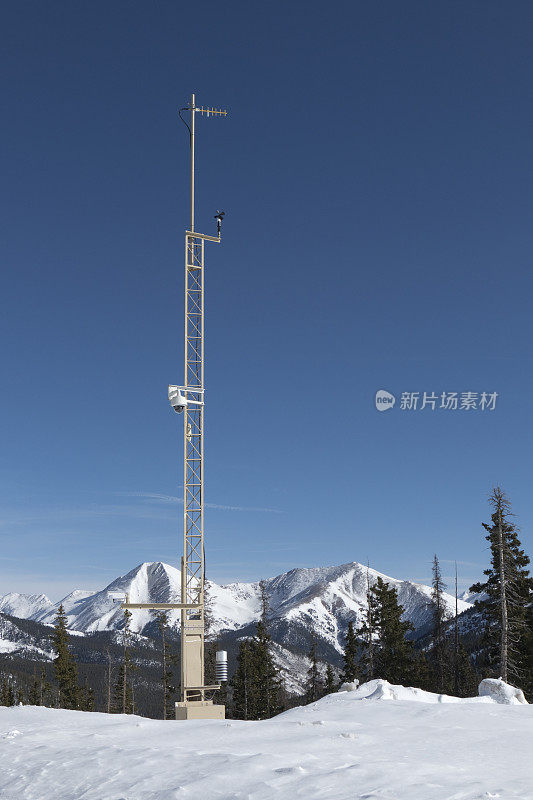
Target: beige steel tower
(189, 400)
(194, 702)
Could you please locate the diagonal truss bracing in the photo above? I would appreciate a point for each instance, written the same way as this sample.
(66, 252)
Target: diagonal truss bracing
(194, 419)
(192, 620)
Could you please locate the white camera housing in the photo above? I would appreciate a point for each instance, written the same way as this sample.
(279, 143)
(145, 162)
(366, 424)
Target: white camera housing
(179, 401)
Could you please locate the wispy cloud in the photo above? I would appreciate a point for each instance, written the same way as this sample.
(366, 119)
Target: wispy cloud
(58, 515)
(279, 548)
(460, 563)
(157, 497)
(245, 508)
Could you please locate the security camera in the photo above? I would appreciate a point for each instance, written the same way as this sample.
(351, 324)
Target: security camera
(177, 400)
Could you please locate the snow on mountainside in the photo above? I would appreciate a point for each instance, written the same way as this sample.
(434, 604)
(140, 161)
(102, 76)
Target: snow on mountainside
(97, 611)
(381, 741)
(15, 641)
(25, 606)
(324, 599)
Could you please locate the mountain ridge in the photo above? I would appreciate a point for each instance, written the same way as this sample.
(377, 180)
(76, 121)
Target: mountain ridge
(323, 599)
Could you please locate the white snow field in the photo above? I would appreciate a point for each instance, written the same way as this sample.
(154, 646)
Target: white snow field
(377, 742)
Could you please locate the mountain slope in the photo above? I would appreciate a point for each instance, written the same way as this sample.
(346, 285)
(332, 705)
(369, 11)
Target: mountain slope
(304, 603)
(98, 611)
(322, 599)
(25, 606)
(16, 641)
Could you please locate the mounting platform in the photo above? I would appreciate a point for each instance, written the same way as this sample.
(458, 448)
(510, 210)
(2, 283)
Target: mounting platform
(199, 709)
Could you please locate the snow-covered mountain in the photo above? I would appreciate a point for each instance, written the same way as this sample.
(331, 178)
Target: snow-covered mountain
(13, 640)
(321, 599)
(25, 606)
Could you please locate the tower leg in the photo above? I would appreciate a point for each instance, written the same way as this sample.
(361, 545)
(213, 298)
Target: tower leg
(199, 709)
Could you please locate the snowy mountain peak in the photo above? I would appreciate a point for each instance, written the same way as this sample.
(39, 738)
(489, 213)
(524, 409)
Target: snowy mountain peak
(157, 582)
(319, 599)
(149, 581)
(25, 606)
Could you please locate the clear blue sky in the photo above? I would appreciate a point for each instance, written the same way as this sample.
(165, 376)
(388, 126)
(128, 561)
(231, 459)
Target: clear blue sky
(375, 168)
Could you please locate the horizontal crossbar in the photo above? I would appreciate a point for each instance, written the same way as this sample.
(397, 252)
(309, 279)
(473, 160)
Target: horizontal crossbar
(161, 606)
(203, 236)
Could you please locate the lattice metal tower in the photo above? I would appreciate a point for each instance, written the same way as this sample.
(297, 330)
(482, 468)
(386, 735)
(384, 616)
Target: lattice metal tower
(189, 400)
(193, 689)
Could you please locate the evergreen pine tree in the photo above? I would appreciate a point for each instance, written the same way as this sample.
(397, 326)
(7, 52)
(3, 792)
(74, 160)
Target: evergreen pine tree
(456, 640)
(314, 688)
(10, 695)
(422, 676)
(526, 661)
(46, 695)
(331, 683)
(122, 701)
(467, 680)
(86, 697)
(132, 689)
(393, 658)
(108, 682)
(349, 658)
(439, 652)
(34, 696)
(265, 603)
(242, 702)
(208, 609)
(64, 664)
(366, 634)
(509, 591)
(122, 698)
(167, 662)
(265, 681)
(7, 695)
(210, 672)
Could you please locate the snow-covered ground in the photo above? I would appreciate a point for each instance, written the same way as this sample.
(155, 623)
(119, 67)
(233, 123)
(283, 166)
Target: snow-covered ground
(380, 741)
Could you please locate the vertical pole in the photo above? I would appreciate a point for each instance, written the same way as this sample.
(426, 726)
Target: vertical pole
(503, 598)
(193, 562)
(192, 626)
(456, 641)
(183, 612)
(193, 115)
(202, 555)
(189, 243)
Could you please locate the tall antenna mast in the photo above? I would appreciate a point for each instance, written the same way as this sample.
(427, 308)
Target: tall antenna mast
(196, 702)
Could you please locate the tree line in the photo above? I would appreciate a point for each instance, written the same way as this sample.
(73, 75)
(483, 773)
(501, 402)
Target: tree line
(377, 645)
(447, 661)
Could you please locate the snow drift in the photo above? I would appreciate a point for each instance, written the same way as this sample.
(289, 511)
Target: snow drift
(491, 690)
(501, 692)
(346, 746)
